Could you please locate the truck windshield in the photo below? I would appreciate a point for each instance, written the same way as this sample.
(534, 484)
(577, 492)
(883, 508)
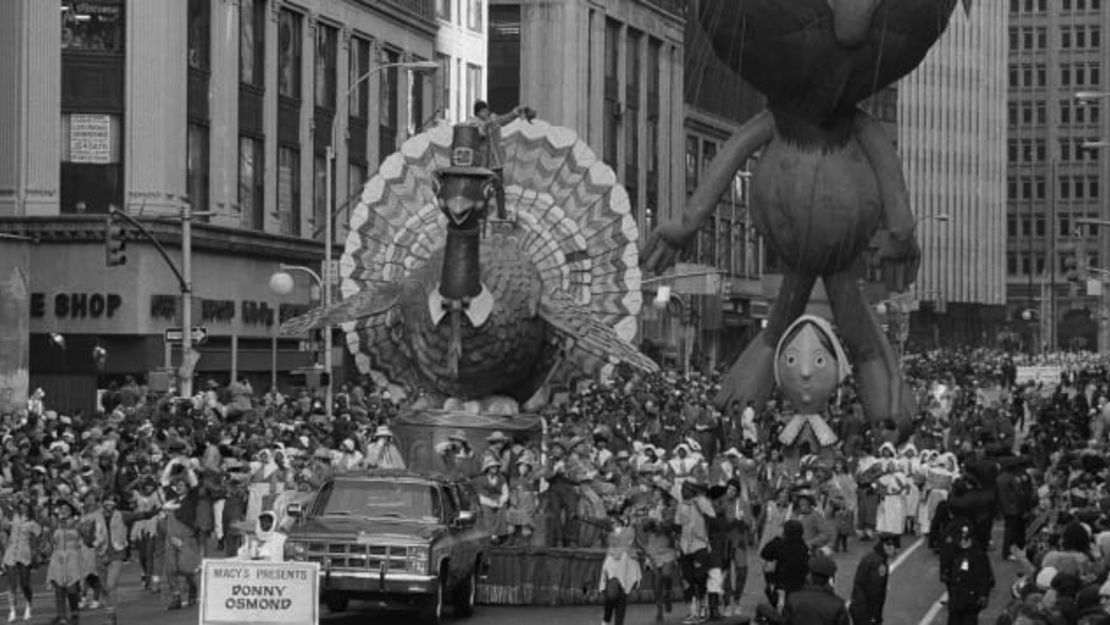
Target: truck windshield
(397, 500)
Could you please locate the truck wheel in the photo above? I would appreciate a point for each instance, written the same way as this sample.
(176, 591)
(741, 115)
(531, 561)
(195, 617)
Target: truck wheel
(431, 612)
(336, 603)
(464, 596)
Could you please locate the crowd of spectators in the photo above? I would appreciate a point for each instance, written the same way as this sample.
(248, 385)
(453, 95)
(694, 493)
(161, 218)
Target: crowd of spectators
(643, 467)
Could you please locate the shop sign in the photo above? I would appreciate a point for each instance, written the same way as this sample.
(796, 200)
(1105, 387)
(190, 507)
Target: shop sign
(215, 311)
(76, 305)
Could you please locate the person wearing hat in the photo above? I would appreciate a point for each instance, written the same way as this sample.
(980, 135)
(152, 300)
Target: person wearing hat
(492, 151)
(383, 452)
(456, 457)
(493, 495)
(498, 447)
(787, 558)
(20, 554)
(816, 530)
(63, 572)
(817, 603)
(870, 583)
(967, 574)
(523, 500)
(114, 546)
(692, 517)
(561, 497)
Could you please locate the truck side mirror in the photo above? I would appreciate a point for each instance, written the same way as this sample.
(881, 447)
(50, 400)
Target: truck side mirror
(294, 510)
(465, 518)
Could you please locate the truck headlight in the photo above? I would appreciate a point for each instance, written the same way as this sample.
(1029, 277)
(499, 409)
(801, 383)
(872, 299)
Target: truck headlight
(417, 560)
(296, 552)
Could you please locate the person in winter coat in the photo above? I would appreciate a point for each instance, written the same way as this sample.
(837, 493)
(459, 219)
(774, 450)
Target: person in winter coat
(817, 603)
(789, 554)
(869, 585)
(1016, 499)
(967, 574)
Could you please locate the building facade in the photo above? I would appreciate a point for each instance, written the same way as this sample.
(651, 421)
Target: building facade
(1057, 49)
(145, 106)
(461, 51)
(951, 120)
(613, 72)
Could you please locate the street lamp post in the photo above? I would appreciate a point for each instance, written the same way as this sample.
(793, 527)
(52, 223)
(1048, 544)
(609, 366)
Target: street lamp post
(281, 283)
(329, 199)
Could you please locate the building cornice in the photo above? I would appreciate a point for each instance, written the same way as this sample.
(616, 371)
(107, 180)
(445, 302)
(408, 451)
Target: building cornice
(167, 230)
(418, 15)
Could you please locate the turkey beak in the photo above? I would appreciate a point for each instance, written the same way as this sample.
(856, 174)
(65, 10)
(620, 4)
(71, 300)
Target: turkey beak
(458, 208)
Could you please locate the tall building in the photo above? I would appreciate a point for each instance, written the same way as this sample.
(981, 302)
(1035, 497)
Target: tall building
(1057, 49)
(611, 71)
(146, 105)
(461, 44)
(718, 103)
(951, 120)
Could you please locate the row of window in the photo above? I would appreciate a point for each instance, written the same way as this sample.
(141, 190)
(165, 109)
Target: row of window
(92, 154)
(728, 240)
(1030, 75)
(1068, 188)
(457, 11)
(1025, 264)
(1040, 6)
(1033, 150)
(1034, 225)
(1078, 37)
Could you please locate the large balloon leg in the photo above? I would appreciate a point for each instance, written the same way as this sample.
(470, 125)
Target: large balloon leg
(752, 376)
(882, 390)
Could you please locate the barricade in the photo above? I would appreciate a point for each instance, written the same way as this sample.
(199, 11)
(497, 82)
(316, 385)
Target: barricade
(551, 577)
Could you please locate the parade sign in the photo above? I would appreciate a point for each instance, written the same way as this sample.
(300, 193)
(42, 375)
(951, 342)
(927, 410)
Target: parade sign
(1048, 375)
(244, 591)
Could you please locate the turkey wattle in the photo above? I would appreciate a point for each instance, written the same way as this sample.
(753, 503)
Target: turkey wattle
(465, 308)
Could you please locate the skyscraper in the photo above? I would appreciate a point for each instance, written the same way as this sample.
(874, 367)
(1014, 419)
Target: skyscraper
(951, 119)
(1056, 50)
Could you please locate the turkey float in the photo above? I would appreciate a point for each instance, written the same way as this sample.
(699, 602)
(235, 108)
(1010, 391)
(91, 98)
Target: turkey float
(451, 304)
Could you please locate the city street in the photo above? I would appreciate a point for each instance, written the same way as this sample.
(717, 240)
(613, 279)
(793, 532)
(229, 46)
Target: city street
(914, 597)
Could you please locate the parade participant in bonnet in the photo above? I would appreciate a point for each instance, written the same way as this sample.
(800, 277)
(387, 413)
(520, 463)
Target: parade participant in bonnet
(19, 555)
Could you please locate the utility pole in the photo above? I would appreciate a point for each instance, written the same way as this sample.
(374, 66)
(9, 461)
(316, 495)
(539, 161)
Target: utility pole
(186, 371)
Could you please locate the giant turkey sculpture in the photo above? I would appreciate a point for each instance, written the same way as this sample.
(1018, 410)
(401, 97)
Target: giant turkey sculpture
(828, 182)
(448, 303)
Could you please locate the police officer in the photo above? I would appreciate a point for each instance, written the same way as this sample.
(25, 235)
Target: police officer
(817, 603)
(967, 574)
(869, 586)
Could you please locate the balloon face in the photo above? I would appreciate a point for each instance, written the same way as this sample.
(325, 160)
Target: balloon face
(808, 368)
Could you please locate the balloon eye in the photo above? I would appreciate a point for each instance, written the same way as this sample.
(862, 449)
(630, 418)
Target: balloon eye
(820, 361)
(791, 360)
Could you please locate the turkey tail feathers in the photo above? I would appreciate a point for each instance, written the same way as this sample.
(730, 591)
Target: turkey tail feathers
(358, 306)
(572, 218)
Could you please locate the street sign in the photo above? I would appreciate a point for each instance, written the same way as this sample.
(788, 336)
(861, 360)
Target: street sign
(331, 272)
(176, 335)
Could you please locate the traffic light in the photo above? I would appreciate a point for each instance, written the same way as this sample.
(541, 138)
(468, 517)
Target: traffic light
(115, 241)
(1081, 261)
(1071, 268)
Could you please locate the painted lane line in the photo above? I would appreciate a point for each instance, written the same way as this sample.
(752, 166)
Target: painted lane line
(931, 615)
(906, 554)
